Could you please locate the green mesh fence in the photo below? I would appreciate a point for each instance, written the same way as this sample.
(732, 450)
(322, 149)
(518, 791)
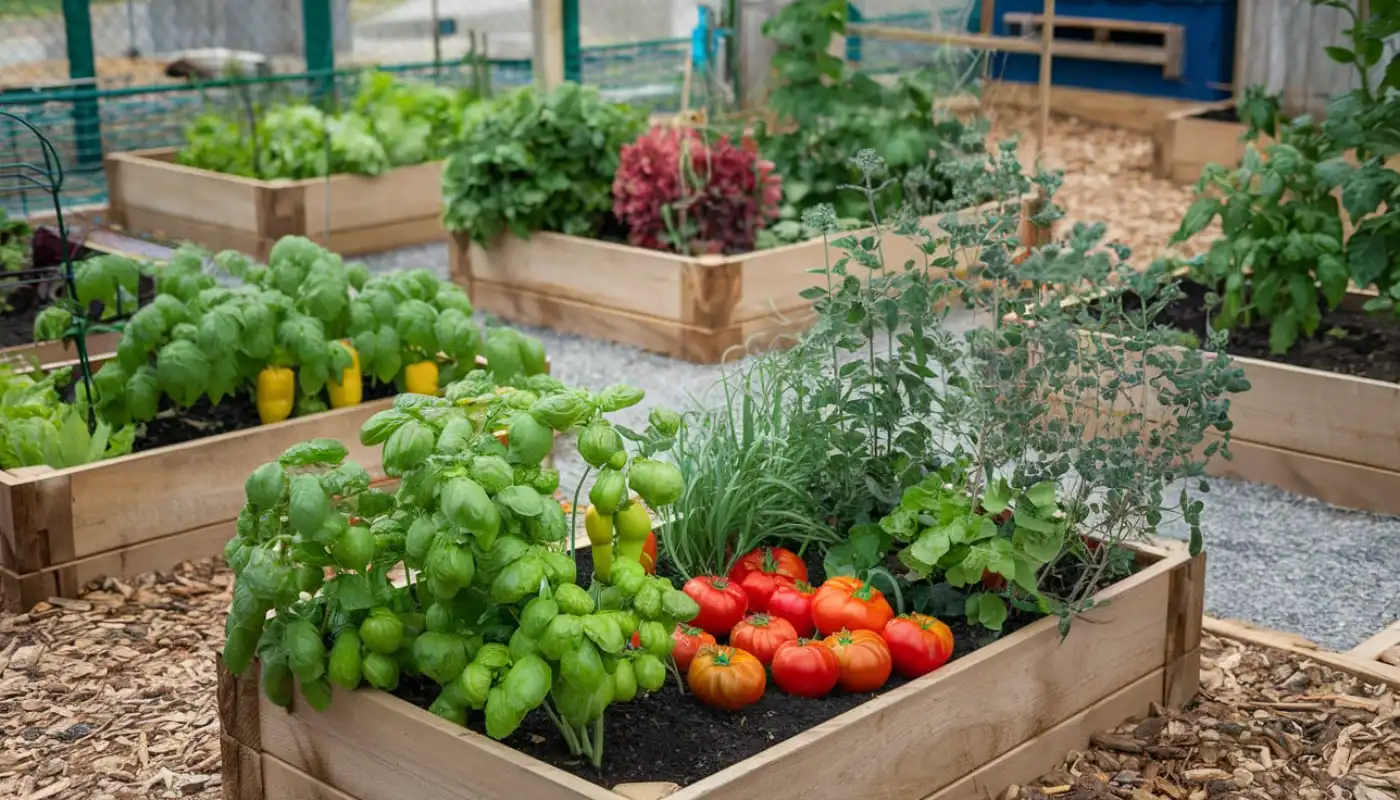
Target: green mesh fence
(155, 116)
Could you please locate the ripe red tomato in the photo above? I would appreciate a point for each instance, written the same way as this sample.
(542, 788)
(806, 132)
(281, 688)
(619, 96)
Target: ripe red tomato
(722, 603)
(806, 668)
(762, 635)
(849, 604)
(688, 642)
(648, 558)
(726, 678)
(794, 604)
(759, 587)
(993, 581)
(636, 640)
(864, 658)
(773, 561)
(919, 644)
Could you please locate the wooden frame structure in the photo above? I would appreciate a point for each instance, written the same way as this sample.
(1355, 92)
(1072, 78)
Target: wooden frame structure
(1006, 713)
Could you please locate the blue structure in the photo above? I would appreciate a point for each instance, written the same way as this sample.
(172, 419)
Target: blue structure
(1208, 48)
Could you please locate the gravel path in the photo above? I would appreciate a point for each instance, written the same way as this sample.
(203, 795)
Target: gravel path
(1275, 558)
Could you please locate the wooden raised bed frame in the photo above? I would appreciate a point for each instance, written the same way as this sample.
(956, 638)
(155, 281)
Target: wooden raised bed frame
(60, 529)
(1184, 142)
(150, 194)
(146, 511)
(695, 308)
(1003, 714)
(1321, 434)
(62, 352)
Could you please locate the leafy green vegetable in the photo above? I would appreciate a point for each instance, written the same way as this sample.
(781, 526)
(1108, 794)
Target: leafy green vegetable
(531, 161)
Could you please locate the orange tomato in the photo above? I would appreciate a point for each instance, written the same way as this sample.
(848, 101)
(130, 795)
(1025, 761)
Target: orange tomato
(849, 604)
(864, 659)
(648, 558)
(726, 678)
(762, 635)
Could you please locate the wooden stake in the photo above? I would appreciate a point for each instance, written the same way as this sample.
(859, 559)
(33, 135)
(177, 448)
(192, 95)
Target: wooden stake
(1047, 37)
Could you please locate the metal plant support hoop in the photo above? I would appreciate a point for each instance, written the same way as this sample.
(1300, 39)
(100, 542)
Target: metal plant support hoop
(44, 175)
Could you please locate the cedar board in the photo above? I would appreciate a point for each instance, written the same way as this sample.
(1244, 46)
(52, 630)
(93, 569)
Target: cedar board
(151, 195)
(1002, 715)
(1321, 434)
(704, 309)
(1184, 142)
(147, 511)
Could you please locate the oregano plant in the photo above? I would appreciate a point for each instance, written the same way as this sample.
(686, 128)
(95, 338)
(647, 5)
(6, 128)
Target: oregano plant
(1001, 465)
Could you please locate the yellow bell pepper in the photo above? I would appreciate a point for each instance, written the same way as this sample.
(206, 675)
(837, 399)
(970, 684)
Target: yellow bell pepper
(421, 378)
(349, 390)
(632, 525)
(600, 536)
(277, 390)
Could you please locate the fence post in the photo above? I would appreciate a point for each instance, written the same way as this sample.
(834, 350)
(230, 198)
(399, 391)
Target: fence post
(573, 52)
(318, 30)
(82, 72)
(547, 30)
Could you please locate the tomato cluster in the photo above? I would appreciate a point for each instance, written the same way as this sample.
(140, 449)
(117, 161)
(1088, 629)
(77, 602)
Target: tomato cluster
(769, 613)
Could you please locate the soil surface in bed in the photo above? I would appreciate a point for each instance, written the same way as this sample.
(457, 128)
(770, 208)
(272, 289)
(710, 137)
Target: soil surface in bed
(670, 736)
(1349, 342)
(236, 413)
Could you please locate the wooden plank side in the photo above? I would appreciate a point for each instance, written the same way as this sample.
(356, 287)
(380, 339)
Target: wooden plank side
(158, 554)
(929, 733)
(1186, 607)
(371, 745)
(1120, 109)
(57, 351)
(282, 781)
(1351, 419)
(242, 771)
(378, 238)
(1382, 641)
(173, 228)
(774, 279)
(576, 315)
(195, 484)
(239, 704)
(1046, 751)
(185, 192)
(399, 195)
(585, 270)
(1330, 480)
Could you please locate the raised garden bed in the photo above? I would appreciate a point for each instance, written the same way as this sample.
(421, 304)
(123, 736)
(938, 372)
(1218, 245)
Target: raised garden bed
(695, 308)
(1319, 420)
(151, 195)
(17, 321)
(1004, 713)
(1189, 139)
(175, 498)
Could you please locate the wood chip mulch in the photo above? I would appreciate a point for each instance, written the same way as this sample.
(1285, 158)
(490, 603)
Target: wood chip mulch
(1267, 725)
(113, 696)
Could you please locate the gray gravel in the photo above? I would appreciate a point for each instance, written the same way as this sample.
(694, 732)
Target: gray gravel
(1274, 558)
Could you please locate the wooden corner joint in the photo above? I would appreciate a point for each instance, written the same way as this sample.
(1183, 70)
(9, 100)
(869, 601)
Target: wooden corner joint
(710, 291)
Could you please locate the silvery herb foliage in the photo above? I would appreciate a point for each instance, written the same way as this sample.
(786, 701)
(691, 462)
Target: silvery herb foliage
(1074, 418)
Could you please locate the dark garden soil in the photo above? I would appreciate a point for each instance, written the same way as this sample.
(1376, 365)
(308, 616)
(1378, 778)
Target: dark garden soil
(37, 287)
(239, 412)
(1349, 342)
(17, 325)
(669, 735)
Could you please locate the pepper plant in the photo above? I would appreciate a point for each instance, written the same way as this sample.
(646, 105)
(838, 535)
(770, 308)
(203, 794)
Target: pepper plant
(1285, 253)
(491, 618)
